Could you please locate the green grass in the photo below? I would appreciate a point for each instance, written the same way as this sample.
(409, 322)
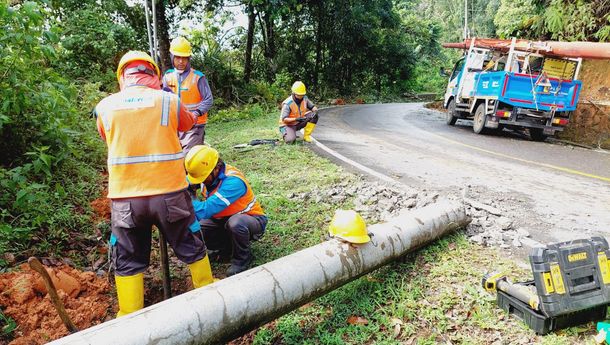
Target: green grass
(434, 294)
(7, 326)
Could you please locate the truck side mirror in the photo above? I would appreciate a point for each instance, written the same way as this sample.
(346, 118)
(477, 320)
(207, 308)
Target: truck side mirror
(443, 73)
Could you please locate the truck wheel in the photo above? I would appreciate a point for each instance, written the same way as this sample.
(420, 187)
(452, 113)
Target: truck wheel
(480, 119)
(450, 116)
(537, 134)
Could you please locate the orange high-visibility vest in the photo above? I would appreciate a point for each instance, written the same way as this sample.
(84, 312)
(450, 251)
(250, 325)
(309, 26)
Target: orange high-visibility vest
(144, 153)
(247, 203)
(189, 91)
(295, 110)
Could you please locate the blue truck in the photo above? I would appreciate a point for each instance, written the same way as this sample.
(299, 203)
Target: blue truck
(513, 87)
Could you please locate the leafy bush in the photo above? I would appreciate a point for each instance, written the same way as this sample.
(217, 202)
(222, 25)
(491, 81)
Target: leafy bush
(50, 163)
(247, 112)
(35, 99)
(93, 41)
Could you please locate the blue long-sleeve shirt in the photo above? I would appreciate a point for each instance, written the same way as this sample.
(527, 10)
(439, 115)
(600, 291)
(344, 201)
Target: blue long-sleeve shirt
(202, 85)
(231, 188)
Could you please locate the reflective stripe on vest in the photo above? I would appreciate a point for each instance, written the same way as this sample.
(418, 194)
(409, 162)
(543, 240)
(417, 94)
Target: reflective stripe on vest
(146, 159)
(144, 154)
(189, 92)
(165, 110)
(247, 203)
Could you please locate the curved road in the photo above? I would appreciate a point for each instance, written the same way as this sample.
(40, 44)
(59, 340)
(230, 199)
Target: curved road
(557, 192)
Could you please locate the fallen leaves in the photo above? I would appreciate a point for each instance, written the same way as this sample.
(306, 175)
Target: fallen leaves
(397, 324)
(357, 320)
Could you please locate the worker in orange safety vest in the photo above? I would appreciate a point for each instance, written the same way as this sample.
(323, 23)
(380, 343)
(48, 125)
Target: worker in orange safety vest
(146, 178)
(298, 112)
(230, 216)
(192, 88)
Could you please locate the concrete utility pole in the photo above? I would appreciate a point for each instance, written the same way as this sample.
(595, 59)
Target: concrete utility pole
(233, 306)
(155, 39)
(466, 19)
(151, 48)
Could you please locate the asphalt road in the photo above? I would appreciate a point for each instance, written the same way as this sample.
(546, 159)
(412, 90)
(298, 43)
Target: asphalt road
(556, 191)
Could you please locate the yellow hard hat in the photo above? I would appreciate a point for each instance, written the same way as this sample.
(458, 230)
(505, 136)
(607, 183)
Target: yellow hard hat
(199, 163)
(180, 47)
(349, 226)
(298, 88)
(134, 55)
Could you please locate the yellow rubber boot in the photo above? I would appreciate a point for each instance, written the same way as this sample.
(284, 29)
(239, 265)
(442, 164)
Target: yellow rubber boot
(130, 292)
(201, 272)
(307, 131)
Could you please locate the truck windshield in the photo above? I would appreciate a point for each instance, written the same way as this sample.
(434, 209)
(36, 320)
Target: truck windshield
(457, 68)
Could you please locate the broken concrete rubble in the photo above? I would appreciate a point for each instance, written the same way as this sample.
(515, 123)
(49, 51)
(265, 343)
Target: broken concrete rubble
(494, 221)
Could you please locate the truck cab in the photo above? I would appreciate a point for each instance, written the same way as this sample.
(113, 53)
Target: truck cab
(505, 87)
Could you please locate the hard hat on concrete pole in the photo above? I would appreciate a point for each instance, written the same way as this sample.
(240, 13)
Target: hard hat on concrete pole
(349, 226)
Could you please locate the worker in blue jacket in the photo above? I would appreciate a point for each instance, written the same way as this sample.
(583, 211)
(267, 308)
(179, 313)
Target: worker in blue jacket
(230, 217)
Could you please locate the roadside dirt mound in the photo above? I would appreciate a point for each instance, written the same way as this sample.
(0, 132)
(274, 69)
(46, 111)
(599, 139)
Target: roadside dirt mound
(101, 206)
(436, 105)
(23, 297)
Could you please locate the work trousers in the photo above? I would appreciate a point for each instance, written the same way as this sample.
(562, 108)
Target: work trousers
(289, 133)
(233, 235)
(131, 225)
(193, 137)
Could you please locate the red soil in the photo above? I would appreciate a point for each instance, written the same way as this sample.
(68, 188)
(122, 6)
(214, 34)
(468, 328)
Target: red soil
(23, 297)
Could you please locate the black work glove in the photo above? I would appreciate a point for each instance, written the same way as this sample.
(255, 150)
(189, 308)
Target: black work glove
(301, 119)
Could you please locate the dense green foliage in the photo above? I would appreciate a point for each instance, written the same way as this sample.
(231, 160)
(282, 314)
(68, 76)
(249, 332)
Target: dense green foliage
(51, 162)
(58, 59)
(569, 20)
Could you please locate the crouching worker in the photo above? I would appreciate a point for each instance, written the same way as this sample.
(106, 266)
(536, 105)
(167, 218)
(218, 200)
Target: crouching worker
(230, 216)
(146, 182)
(298, 112)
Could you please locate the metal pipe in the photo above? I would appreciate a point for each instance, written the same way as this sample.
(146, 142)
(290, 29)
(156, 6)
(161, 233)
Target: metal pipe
(150, 42)
(167, 282)
(154, 25)
(238, 304)
(465, 19)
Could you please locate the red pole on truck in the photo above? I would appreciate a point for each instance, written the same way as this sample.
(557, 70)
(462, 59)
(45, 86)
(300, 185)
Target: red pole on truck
(585, 50)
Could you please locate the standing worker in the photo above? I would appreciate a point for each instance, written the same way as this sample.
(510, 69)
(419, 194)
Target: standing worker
(146, 178)
(298, 112)
(192, 88)
(231, 217)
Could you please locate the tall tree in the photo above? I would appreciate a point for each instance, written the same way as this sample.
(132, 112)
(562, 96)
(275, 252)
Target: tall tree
(249, 41)
(162, 7)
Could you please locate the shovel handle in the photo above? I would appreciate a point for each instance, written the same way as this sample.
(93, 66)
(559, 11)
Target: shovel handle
(48, 283)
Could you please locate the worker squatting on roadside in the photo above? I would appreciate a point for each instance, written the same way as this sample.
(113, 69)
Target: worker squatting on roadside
(192, 88)
(146, 178)
(230, 216)
(298, 112)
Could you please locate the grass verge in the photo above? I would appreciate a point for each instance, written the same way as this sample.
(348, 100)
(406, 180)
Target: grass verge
(431, 296)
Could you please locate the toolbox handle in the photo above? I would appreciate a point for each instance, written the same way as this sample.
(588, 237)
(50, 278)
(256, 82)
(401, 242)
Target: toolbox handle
(584, 287)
